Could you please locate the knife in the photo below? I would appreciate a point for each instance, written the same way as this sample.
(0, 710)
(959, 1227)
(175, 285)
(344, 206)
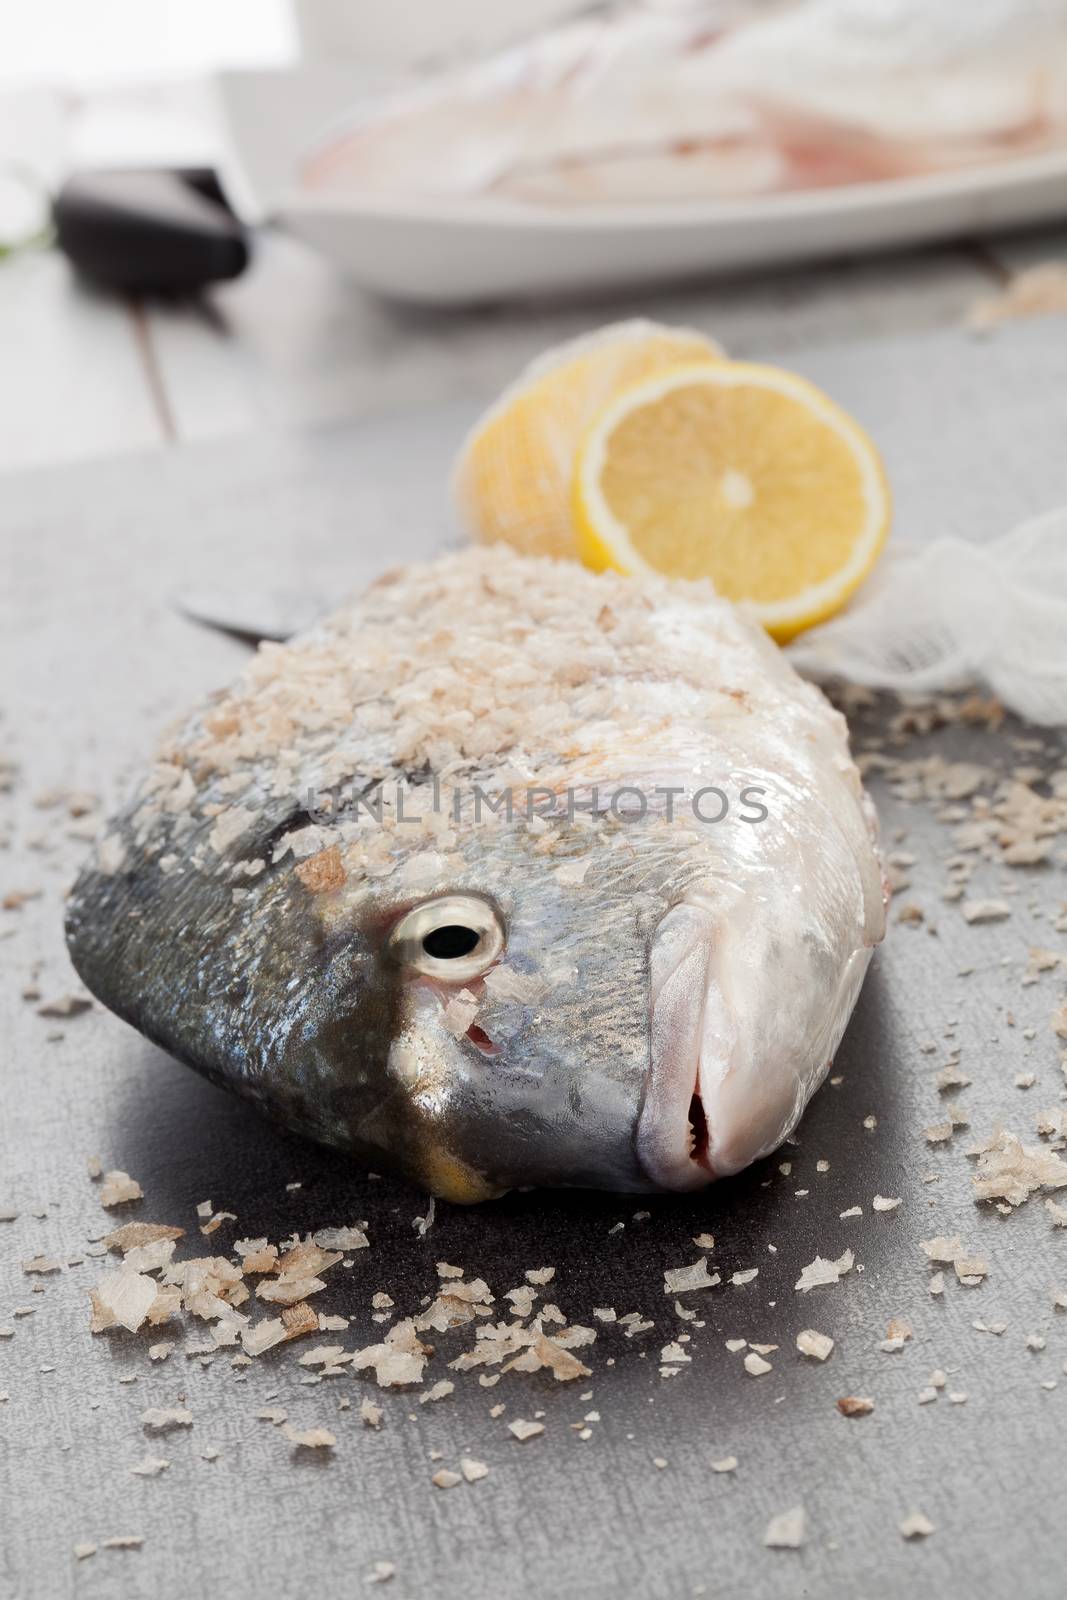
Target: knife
(252, 615)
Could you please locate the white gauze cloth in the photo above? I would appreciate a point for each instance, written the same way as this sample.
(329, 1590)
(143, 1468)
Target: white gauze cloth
(950, 614)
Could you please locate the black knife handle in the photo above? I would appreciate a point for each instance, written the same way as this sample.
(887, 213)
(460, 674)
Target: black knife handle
(149, 231)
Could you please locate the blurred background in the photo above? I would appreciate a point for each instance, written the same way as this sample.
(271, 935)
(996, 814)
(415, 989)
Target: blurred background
(282, 273)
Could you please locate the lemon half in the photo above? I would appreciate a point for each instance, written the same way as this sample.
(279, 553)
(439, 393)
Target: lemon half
(740, 473)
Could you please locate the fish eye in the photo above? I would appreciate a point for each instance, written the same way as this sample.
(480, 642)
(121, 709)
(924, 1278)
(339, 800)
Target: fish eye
(451, 942)
(454, 938)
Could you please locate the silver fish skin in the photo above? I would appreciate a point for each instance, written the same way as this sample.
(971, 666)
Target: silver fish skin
(634, 981)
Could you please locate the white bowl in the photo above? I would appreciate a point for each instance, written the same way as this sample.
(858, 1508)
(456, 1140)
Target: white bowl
(451, 253)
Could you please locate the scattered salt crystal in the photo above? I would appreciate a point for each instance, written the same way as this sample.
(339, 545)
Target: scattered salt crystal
(310, 1438)
(399, 1360)
(985, 910)
(787, 1531)
(817, 1345)
(525, 1430)
(158, 1420)
(65, 1005)
(41, 1265)
(341, 1239)
(943, 1248)
(323, 1355)
(136, 1235)
(1010, 1170)
(119, 1188)
(855, 1406)
(820, 1272)
(264, 1336)
(682, 1280)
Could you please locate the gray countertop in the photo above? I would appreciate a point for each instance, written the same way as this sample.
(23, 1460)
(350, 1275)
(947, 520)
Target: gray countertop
(95, 660)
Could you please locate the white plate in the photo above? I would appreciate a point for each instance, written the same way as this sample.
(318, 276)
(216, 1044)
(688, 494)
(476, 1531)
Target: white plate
(454, 253)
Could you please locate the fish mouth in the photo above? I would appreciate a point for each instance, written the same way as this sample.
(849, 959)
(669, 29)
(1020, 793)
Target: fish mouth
(674, 1133)
(732, 1066)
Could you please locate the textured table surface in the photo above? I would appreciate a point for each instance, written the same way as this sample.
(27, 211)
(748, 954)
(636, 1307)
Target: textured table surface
(292, 343)
(95, 659)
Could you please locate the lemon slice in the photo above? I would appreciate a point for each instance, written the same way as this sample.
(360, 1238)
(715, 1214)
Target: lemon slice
(743, 474)
(513, 478)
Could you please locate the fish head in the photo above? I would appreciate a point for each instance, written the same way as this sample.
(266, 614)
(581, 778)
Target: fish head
(613, 1004)
(500, 1018)
(476, 1018)
(596, 1005)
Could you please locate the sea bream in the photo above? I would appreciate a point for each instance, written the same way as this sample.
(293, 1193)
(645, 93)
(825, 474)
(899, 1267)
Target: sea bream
(507, 873)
